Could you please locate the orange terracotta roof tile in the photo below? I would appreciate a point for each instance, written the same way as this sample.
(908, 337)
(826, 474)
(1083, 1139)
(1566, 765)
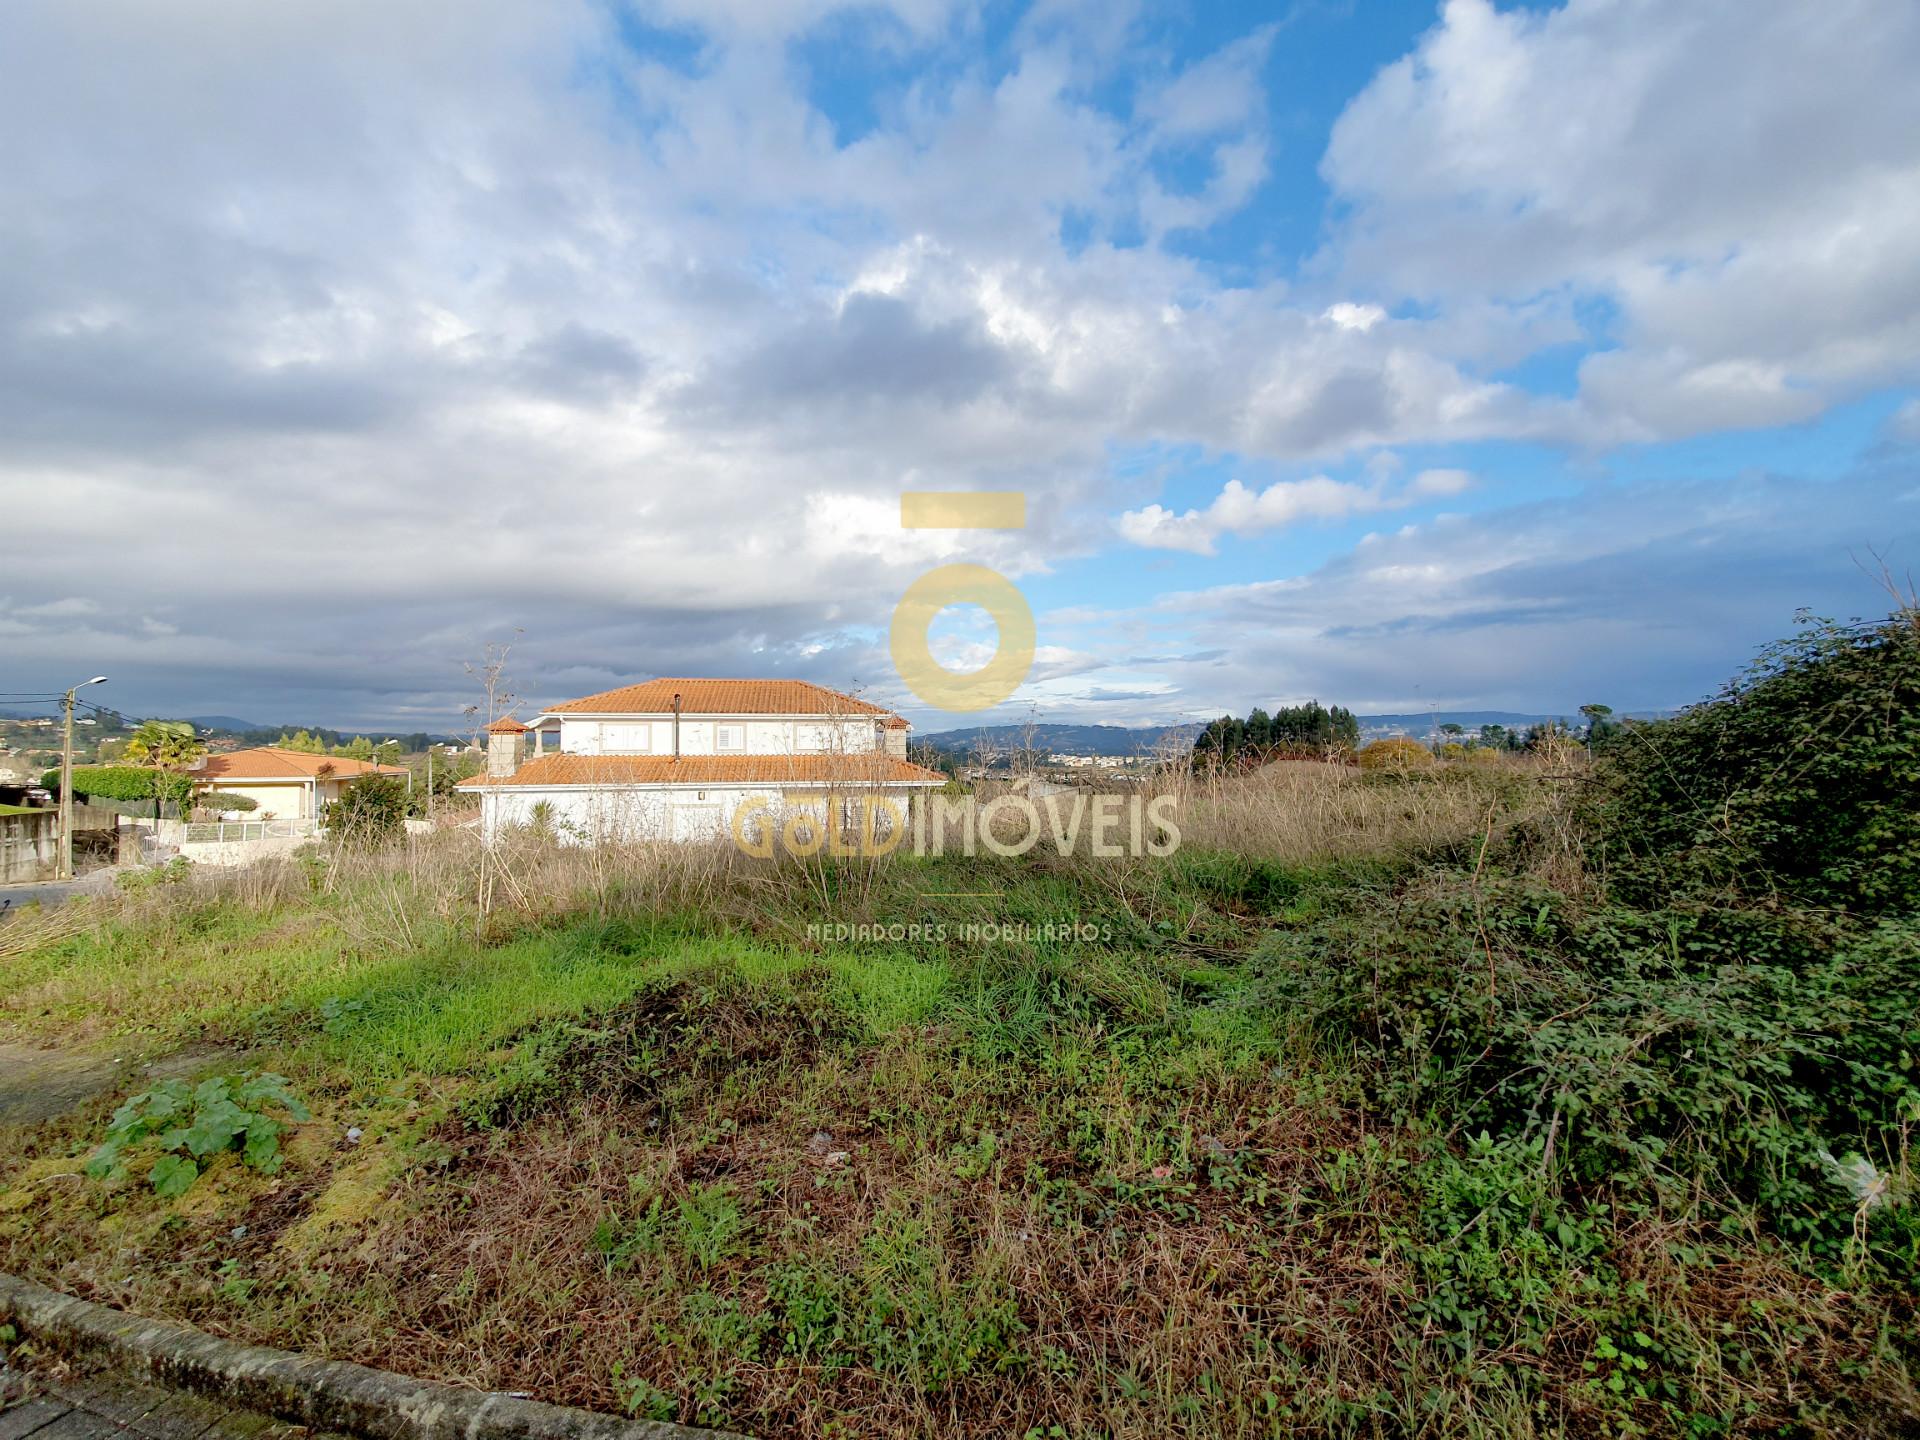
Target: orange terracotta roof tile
(270, 763)
(719, 697)
(506, 725)
(869, 769)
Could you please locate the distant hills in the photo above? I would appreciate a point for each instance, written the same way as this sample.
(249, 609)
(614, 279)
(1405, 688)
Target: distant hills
(1062, 739)
(253, 733)
(1056, 739)
(1427, 723)
(1147, 739)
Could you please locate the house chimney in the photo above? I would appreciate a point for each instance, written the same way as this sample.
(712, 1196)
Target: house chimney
(506, 747)
(894, 733)
(676, 727)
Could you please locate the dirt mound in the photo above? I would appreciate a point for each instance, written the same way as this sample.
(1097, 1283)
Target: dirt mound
(683, 1036)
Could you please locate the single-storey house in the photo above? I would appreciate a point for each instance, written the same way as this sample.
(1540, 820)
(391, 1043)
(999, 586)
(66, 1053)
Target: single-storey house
(677, 759)
(284, 784)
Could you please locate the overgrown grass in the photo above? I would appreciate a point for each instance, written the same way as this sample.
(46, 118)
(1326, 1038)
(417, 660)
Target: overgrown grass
(1256, 1151)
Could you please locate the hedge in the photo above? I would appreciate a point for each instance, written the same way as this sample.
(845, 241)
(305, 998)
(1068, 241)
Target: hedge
(123, 782)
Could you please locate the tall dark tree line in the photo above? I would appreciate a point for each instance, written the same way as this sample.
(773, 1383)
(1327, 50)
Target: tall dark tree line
(1309, 729)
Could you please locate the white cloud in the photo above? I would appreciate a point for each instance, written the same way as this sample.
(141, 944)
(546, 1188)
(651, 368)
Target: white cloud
(1349, 316)
(1236, 510)
(1741, 181)
(763, 20)
(500, 322)
(1904, 423)
(1222, 93)
(1642, 596)
(1240, 511)
(71, 606)
(1442, 482)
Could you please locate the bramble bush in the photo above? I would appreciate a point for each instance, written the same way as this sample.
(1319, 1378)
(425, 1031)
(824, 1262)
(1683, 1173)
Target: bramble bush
(1799, 781)
(1734, 1001)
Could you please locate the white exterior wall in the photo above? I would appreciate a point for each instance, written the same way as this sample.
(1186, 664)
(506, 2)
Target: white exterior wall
(280, 800)
(585, 816)
(637, 735)
(233, 853)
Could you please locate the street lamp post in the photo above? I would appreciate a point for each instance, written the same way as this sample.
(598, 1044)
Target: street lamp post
(65, 871)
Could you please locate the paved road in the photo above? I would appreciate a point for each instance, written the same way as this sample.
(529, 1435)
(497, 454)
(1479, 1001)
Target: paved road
(98, 1408)
(52, 892)
(37, 1084)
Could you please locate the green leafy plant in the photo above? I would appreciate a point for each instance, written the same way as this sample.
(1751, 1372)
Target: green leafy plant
(619, 1244)
(191, 1125)
(369, 812)
(639, 1396)
(541, 820)
(973, 1160)
(339, 1016)
(711, 1223)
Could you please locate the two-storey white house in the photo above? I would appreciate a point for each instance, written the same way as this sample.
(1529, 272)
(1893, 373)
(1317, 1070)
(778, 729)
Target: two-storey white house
(677, 759)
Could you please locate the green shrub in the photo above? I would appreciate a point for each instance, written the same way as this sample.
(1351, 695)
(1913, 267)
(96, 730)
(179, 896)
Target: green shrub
(1672, 1048)
(1396, 753)
(369, 812)
(1740, 1006)
(1799, 779)
(124, 782)
(217, 800)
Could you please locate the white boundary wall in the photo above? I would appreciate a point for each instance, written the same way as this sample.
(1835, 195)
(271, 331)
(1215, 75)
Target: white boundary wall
(593, 815)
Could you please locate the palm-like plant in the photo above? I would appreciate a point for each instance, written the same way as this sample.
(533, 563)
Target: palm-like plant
(164, 745)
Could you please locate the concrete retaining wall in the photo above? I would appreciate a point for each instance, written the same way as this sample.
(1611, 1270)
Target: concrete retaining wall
(29, 846)
(242, 852)
(30, 842)
(325, 1394)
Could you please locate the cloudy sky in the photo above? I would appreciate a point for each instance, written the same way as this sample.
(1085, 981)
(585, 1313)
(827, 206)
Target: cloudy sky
(1476, 356)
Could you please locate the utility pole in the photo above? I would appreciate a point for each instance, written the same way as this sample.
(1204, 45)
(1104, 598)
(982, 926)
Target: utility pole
(64, 871)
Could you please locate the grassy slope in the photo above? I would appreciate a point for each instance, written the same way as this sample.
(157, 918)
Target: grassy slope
(631, 1140)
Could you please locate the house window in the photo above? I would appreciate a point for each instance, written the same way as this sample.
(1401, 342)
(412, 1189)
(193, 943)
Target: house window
(729, 737)
(626, 739)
